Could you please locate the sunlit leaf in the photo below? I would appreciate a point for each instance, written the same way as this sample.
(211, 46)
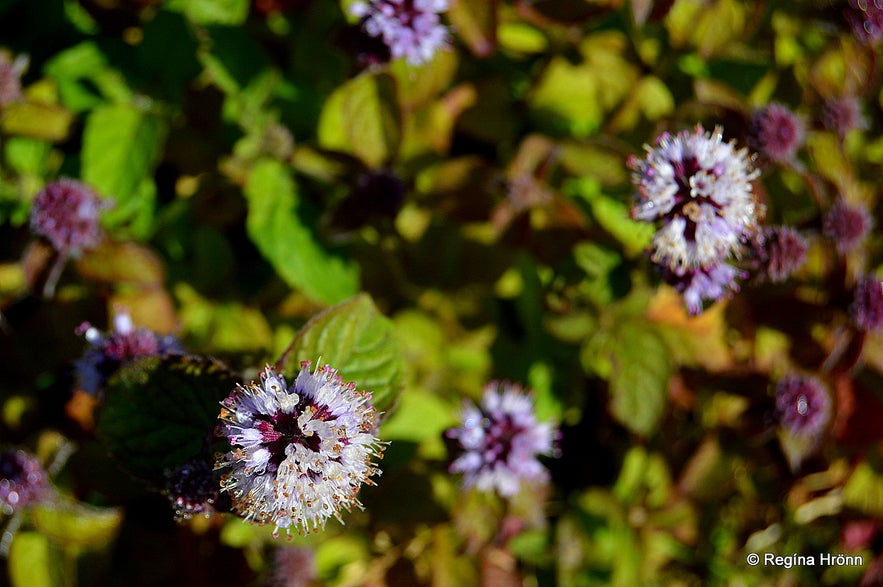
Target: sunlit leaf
(864, 490)
(32, 563)
(72, 524)
(37, 121)
(120, 147)
(362, 117)
(280, 224)
(123, 262)
(358, 341)
(222, 12)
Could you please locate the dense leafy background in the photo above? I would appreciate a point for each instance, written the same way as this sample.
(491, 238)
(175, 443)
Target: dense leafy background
(243, 146)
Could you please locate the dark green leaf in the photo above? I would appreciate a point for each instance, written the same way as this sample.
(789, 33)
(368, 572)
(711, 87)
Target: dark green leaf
(158, 413)
(279, 224)
(358, 341)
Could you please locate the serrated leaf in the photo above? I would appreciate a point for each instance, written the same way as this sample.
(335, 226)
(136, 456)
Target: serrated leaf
(358, 341)
(639, 380)
(279, 224)
(72, 524)
(159, 412)
(362, 117)
(120, 148)
(31, 562)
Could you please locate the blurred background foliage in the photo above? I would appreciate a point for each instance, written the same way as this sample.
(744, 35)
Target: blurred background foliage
(261, 175)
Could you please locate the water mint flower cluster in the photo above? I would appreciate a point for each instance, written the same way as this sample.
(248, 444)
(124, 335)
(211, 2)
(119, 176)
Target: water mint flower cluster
(23, 481)
(109, 350)
(499, 441)
(592, 290)
(411, 29)
(66, 212)
(697, 189)
(300, 453)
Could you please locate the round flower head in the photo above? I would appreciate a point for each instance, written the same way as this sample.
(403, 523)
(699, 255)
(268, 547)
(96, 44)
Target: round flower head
(847, 225)
(10, 77)
(300, 454)
(803, 405)
(866, 309)
(699, 189)
(842, 115)
(410, 28)
(704, 284)
(499, 441)
(777, 252)
(23, 480)
(776, 132)
(192, 489)
(108, 351)
(66, 214)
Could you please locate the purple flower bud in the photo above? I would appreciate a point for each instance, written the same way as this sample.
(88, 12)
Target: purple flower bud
(66, 214)
(777, 252)
(699, 189)
(841, 115)
(803, 405)
(697, 286)
(776, 132)
(293, 566)
(499, 441)
(192, 489)
(300, 453)
(23, 480)
(866, 309)
(108, 351)
(847, 225)
(410, 28)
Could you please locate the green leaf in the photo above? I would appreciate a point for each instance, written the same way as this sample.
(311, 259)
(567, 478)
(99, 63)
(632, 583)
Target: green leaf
(864, 490)
(223, 12)
(279, 225)
(31, 562)
(613, 215)
(476, 25)
(123, 262)
(639, 381)
(159, 412)
(120, 148)
(38, 121)
(567, 98)
(632, 356)
(358, 341)
(72, 524)
(362, 117)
